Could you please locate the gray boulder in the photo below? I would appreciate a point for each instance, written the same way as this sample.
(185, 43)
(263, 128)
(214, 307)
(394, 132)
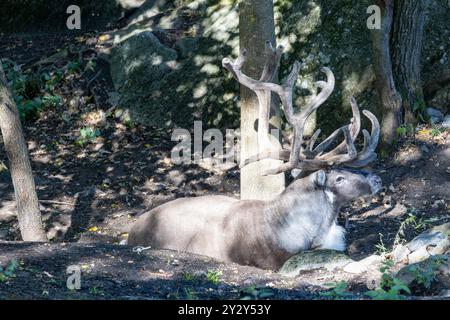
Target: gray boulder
(435, 115)
(139, 58)
(8, 211)
(434, 239)
(446, 122)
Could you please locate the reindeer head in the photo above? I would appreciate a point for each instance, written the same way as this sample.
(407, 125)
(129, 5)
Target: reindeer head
(343, 185)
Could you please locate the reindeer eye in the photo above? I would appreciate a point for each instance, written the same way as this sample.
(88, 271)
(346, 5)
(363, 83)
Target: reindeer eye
(339, 179)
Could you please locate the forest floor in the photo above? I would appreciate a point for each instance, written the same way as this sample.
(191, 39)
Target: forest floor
(93, 185)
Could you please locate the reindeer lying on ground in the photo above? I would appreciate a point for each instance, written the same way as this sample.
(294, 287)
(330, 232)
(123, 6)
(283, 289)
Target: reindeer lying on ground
(304, 216)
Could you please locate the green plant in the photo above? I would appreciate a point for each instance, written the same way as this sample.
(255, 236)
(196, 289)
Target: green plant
(419, 108)
(214, 276)
(96, 291)
(390, 287)
(9, 272)
(254, 293)
(405, 130)
(381, 248)
(32, 92)
(411, 220)
(188, 276)
(393, 293)
(338, 290)
(73, 67)
(436, 131)
(425, 274)
(87, 135)
(190, 295)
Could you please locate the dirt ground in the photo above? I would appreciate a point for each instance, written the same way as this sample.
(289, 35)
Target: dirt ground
(90, 195)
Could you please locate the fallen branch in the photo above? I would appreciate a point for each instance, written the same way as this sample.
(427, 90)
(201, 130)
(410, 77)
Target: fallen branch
(58, 202)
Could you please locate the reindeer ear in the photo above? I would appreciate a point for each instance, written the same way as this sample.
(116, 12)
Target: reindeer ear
(320, 178)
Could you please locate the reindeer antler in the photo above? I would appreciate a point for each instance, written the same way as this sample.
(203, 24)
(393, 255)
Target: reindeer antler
(311, 158)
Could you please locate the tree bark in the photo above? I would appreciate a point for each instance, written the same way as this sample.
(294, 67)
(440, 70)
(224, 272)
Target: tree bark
(391, 101)
(256, 25)
(29, 215)
(406, 50)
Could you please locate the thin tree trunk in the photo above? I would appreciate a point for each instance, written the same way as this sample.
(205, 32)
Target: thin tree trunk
(29, 215)
(256, 25)
(391, 101)
(406, 50)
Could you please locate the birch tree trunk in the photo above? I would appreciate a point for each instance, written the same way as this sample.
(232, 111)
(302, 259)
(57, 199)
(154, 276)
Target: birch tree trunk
(256, 25)
(29, 215)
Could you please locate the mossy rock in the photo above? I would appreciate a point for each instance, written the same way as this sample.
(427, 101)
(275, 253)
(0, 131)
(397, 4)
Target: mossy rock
(314, 259)
(194, 87)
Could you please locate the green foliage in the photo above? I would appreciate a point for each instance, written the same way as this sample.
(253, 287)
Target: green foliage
(87, 135)
(254, 293)
(425, 273)
(96, 291)
(214, 276)
(190, 294)
(338, 290)
(405, 130)
(188, 277)
(419, 107)
(73, 67)
(392, 293)
(410, 221)
(436, 131)
(381, 248)
(390, 287)
(32, 92)
(8, 272)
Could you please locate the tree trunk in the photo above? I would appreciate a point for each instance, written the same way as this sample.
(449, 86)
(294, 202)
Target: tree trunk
(391, 101)
(406, 49)
(256, 25)
(29, 215)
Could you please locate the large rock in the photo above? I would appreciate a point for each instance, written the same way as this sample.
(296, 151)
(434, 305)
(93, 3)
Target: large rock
(8, 211)
(431, 242)
(139, 59)
(190, 84)
(446, 122)
(315, 259)
(435, 241)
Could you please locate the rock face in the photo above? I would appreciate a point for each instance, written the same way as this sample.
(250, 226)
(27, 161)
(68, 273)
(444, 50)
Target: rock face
(138, 62)
(190, 85)
(318, 33)
(314, 259)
